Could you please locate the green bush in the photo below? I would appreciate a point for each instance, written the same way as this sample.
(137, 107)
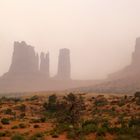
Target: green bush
(89, 128)
(34, 98)
(101, 131)
(51, 105)
(71, 134)
(100, 138)
(36, 126)
(22, 125)
(55, 135)
(1, 127)
(22, 115)
(17, 137)
(101, 102)
(2, 134)
(8, 111)
(22, 108)
(35, 121)
(43, 119)
(37, 136)
(137, 94)
(121, 103)
(5, 121)
(14, 127)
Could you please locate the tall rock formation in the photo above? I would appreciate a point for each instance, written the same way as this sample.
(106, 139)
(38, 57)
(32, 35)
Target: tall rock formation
(64, 65)
(24, 60)
(136, 55)
(30, 72)
(45, 64)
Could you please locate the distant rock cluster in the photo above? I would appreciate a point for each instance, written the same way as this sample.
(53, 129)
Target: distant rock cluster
(26, 62)
(30, 71)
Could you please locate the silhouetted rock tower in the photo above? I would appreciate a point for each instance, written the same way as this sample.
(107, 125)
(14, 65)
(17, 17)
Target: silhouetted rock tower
(64, 66)
(136, 54)
(24, 60)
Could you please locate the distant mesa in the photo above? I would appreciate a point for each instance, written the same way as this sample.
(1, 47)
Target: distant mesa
(134, 68)
(126, 80)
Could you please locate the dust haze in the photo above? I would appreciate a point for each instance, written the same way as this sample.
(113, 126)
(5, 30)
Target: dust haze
(100, 34)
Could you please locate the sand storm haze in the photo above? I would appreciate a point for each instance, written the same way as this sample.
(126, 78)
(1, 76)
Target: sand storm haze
(96, 31)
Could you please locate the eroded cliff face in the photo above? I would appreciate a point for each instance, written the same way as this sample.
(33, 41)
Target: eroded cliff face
(136, 55)
(132, 70)
(126, 80)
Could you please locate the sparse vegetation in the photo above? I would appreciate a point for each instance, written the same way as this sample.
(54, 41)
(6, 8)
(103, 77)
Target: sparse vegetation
(17, 137)
(73, 115)
(5, 121)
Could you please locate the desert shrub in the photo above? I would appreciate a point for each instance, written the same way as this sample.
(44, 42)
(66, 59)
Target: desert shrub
(51, 105)
(35, 121)
(22, 108)
(17, 137)
(136, 132)
(119, 130)
(71, 134)
(93, 121)
(87, 129)
(138, 101)
(1, 127)
(2, 134)
(5, 121)
(134, 122)
(22, 125)
(101, 102)
(121, 102)
(3, 99)
(89, 126)
(125, 137)
(16, 100)
(37, 136)
(54, 134)
(14, 127)
(43, 119)
(106, 124)
(137, 94)
(70, 110)
(22, 115)
(122, 121)
(62, 127)
(8, 111)
(34, 98)
(68, 116)
(100, 138)
(101, 131)
(36, 126)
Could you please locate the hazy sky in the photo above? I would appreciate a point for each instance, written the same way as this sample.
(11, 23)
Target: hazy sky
(100, 33)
